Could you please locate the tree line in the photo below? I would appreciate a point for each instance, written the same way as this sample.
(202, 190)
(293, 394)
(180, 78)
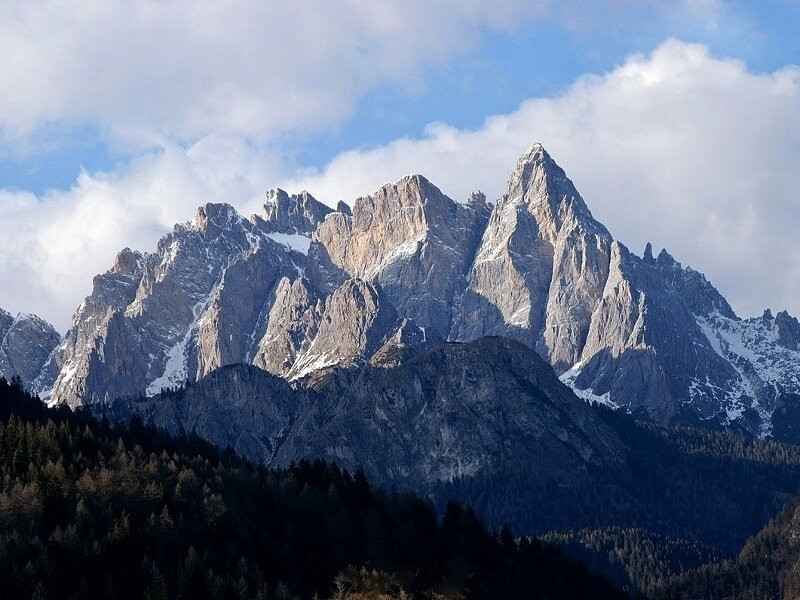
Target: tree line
(94, 510)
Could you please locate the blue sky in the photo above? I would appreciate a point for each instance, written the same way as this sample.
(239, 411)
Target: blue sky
(135, 112)
(537, 57)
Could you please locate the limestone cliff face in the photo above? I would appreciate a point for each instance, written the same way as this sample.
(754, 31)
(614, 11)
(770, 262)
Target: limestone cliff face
(644, 347)
(301, 288)
(298, 213)
(160, 319)
(488, 410)
(26, 342)
(540, 267)
(410, 239)
(291, 325)
(356, 322)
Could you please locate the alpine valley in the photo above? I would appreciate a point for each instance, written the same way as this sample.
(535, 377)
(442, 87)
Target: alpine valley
(510, 354)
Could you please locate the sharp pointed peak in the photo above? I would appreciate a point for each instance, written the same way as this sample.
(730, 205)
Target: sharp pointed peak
(536, 154)
(477, 200)
(537, 178)
(344, 208)
(416, 178)
(292, 213)
(648, 253)
(537, 148)
(665, 259)
(536, 164)
(275, 195)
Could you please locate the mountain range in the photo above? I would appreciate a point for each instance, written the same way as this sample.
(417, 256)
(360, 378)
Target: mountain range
(302, 289)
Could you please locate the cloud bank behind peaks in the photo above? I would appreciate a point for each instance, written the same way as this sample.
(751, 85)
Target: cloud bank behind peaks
(139, 69)
(689, 151)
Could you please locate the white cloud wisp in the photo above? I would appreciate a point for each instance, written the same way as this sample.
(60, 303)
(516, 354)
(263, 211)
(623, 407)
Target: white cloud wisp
(689, 151)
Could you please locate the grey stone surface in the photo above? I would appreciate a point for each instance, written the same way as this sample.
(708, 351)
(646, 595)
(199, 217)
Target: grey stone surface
(458, 411)
(302, 288)
(540, 267)
(26, 342)
(298, 213)
(413, 241)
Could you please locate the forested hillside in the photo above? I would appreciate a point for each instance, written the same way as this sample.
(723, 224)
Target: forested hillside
(690, 497)
(768, 566)
(90, 510)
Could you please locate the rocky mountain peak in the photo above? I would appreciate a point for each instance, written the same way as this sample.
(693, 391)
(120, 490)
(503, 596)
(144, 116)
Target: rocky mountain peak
(665, 259)
(212, 219)
(343, 208)
(26, 342)
(127, 262)
(536, 176)
(296, 213)
(648, 254)
(413, 199)
(541, 188)
(788, 330)
(477, 202)
(302, 288)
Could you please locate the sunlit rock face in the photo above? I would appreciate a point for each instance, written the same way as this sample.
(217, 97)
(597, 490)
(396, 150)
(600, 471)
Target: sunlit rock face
(301, 289)
(26, 342)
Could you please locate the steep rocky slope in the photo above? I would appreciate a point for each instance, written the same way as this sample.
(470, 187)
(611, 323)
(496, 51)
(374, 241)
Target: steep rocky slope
(489, 423)
(302, 287)
(485, 411)
(26, 342)
(767, 568)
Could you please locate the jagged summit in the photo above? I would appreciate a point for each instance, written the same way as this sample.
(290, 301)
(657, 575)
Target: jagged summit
(343, 208)
(296, 213)
(536, 173)
(302, 287)
(540, 185)
(213, 218)
(648, 253)
(127, 261)
(26, 342)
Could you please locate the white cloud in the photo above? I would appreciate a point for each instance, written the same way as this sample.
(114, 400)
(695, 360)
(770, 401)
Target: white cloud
(54, 244)
(140, 69)
(692, 152)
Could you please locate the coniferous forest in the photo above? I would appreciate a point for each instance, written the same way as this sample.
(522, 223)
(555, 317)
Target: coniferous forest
(90, 510)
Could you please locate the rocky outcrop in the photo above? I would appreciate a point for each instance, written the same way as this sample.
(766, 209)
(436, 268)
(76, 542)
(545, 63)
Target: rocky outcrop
(357, 322)
(644, 348)
(293, 321)
(487, 410)
(298, 213)
(155, 321)
(301, 288)
(410, 239)
(540, 267)
(26, 342)
(788, 330)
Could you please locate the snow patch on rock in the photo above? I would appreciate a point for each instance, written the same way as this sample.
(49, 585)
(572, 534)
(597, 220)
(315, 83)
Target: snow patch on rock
(294, 241)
